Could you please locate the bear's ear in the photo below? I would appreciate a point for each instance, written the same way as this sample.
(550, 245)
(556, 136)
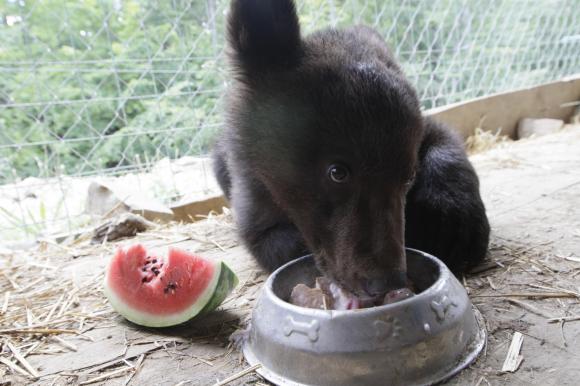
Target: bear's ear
(263, 35)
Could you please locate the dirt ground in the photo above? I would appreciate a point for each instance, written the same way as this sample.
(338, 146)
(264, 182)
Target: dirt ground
(56, 327)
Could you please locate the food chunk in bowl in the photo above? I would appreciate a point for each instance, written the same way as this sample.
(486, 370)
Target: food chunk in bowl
(327, 295)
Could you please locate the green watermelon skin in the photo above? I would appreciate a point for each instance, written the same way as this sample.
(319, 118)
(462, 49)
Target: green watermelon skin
(226, 282)
(140, 293)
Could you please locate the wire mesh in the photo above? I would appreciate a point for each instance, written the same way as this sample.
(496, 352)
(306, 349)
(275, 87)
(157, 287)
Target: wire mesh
(111, 87)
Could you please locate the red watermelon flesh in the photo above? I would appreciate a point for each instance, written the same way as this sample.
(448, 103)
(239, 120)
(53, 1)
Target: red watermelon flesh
(161, 291)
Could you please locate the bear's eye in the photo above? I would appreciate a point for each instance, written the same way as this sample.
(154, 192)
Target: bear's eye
(338, 173)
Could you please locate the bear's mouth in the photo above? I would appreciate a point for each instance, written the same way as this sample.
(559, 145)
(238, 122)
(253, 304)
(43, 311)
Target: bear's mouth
(340, 296)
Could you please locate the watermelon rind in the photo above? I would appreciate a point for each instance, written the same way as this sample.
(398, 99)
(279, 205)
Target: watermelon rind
(221, 284)
(226, 283)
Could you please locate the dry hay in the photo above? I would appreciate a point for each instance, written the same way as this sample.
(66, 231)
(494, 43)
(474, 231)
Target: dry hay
(42, 307)
(483, 140)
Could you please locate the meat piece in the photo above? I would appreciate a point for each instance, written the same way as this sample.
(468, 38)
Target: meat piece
(328, 295)
(304, 296)
(397, 295)
(340, 298)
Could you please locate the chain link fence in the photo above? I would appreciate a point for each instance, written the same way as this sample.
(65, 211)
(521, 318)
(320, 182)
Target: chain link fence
(118, 87)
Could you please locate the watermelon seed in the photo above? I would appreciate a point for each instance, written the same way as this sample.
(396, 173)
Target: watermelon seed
(170, 286)
(143, 280)
(154, 261)
(144, 269)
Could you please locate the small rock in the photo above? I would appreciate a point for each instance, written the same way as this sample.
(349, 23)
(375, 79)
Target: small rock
(126, 225)
(101, 200)
(538, 127)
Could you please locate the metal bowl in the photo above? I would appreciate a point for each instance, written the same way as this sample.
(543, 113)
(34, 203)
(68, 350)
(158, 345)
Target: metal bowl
(418, 341)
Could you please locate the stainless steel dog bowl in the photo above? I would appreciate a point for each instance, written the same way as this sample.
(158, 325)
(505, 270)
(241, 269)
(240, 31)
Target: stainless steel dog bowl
(418, 341)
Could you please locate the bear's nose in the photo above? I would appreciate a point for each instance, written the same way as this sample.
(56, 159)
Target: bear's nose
(381, 285)
(375, 287)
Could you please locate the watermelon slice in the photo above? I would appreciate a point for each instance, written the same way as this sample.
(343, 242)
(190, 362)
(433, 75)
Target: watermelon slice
(154, 291)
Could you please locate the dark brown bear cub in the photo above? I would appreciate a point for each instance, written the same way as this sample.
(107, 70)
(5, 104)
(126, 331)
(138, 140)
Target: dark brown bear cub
(325, 151)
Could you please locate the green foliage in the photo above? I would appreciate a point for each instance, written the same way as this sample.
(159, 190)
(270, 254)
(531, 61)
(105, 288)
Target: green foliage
(92, 85)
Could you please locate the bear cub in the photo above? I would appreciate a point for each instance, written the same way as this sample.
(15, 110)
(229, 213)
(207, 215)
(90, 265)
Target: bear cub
(325, 151)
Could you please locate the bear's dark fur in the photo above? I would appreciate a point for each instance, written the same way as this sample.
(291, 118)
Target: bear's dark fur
(325, 150)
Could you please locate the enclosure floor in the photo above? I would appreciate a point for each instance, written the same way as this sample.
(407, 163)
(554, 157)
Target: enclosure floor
(532, 192)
